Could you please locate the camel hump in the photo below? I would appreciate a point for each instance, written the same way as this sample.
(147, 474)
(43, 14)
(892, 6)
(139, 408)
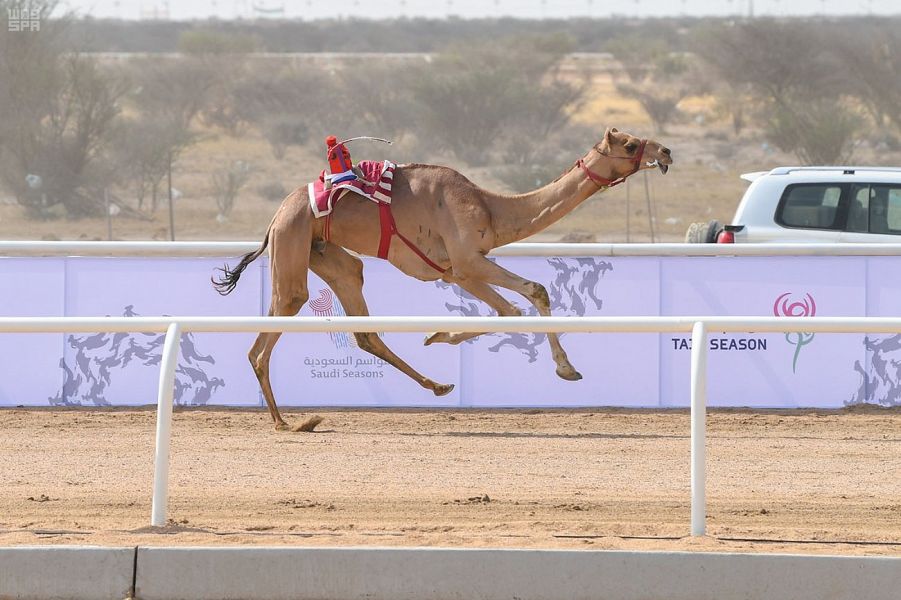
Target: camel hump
(446, 175)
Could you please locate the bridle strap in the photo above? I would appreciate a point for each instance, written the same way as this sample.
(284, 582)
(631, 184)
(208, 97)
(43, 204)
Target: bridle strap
(603, 182)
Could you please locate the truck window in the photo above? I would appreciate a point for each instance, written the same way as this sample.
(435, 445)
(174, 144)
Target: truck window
(885, 209)
(859, 209)
(810, 206)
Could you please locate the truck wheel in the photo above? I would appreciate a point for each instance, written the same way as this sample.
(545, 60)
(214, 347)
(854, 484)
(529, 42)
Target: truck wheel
(702, 233)
(713, 230)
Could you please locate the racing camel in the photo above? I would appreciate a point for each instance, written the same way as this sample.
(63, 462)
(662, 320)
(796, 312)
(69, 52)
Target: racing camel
(450, 223)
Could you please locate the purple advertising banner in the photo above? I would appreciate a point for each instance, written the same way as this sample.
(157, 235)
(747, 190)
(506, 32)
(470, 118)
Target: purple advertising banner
(493, 370)
(31, 361)
(879, 376)
(330, 369)
(517, 369)
(777, 370)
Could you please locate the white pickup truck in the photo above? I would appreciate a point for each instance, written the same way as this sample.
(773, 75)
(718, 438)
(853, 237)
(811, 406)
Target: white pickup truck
(812, 204)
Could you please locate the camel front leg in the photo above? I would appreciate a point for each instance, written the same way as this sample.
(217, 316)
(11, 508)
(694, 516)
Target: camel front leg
(486, 294)
(344, 274)
(487, 271)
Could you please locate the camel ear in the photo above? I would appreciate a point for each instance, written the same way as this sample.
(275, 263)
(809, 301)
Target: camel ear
(608, 135)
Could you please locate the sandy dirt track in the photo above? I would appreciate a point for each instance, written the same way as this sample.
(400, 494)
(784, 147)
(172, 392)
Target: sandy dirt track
(556, 479)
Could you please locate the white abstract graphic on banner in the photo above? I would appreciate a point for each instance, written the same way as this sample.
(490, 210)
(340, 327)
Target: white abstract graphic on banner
(516, 369)
(494, 370)
(100, 357)
(572, 290)
(880, 381)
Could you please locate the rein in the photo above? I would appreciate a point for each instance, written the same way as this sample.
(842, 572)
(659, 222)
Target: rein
(603, 182)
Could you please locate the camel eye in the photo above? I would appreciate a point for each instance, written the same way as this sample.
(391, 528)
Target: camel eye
(630, 147)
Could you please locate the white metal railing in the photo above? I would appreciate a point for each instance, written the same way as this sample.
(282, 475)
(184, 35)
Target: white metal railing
(38, 248)
(698, 326)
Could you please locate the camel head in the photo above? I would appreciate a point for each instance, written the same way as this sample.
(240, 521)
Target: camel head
(619, 151)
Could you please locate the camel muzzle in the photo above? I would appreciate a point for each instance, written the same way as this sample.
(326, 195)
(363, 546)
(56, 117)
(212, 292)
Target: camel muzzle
(663, 168)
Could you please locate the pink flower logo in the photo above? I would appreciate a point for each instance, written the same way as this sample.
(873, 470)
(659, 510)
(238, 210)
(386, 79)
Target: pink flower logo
(786, 306)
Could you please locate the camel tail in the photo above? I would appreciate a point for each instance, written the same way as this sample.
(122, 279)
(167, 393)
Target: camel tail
(229, 279)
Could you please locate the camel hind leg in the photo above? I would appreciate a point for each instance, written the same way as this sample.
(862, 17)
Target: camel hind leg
(486, 294)
(289, 255)
(344, 274)
(491, 273)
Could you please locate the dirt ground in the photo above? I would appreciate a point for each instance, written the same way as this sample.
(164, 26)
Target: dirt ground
(802, 481)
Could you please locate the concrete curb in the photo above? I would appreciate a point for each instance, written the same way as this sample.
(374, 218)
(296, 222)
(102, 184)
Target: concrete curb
(56, 572)
(257, 573)
(477, 574)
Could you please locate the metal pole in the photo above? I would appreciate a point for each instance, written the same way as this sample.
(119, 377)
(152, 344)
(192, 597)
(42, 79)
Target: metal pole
(698, 427)
(109, 216)
(647, 195)
(171, 208)
(164, 425)
(628, 214)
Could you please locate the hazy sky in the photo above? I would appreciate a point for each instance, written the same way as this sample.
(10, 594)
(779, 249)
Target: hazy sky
(316, 9)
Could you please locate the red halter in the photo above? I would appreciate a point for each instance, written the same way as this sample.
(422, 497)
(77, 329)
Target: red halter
(603, 182)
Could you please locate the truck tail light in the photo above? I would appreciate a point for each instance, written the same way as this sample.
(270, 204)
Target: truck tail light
(725, 237)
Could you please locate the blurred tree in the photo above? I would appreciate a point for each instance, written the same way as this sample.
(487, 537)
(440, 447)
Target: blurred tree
(144, 145)
(820, 131)
(178, 88)
(872, 64)
(58, 110)
(469, 95)
(206, 42)
(227, 183)
(376, 99)
(793, 73)
(548, 160)
(657, 78)
(166, 98)
(223, 57)
(290, 105)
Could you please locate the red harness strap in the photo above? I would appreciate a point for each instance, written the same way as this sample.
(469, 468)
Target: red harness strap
(609, 183)
(389, 230)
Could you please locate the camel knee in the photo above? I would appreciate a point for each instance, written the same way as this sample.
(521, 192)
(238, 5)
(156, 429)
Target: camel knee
(256, 362)
(289, 304)
(510, 311)
(539, 295)
(298, 300)
(367, 342)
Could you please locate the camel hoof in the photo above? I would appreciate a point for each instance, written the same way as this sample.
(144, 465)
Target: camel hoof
(282, 426)
(309, 425)
(443, 388)
(568, 373)
(434, 338)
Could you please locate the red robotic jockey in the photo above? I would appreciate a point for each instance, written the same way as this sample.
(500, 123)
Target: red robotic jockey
(340, 165)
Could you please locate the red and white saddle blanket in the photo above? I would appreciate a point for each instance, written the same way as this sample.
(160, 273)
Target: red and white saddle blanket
(378, 174)
(380, 177)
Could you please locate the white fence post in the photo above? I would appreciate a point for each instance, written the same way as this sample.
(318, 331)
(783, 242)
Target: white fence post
(698, 427)
(164, 425)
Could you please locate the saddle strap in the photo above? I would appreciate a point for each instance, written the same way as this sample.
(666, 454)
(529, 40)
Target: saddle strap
(389, 229)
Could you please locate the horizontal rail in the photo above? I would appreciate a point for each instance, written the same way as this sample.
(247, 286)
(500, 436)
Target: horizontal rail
(700, 327)
(458, 324)
(198, 249)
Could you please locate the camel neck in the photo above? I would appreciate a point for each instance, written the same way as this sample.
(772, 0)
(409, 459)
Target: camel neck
(517, 217)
